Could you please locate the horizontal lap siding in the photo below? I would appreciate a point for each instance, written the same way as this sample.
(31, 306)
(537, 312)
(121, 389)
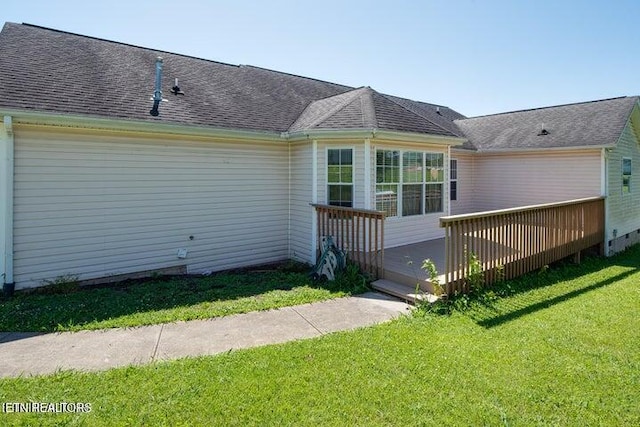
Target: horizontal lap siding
(624, 209)
(506, 181)
(94, 206)
(466, 178)
(301, 209)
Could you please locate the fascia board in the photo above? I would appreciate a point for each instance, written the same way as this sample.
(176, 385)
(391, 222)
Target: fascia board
(123, 125)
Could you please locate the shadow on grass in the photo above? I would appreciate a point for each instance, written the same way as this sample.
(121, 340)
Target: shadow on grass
(532, 308)
(201, 297)
(490, 312)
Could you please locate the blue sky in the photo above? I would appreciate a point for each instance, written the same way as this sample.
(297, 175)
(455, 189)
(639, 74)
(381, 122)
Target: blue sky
(477, 57)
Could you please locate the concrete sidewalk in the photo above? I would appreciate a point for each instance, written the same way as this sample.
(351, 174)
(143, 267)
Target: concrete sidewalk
(32, 353)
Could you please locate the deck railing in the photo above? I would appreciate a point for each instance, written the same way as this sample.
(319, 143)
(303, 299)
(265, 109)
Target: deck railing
(511, 242)
(358, 232)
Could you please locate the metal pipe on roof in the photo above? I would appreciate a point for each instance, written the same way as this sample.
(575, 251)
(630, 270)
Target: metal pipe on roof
(157, 94)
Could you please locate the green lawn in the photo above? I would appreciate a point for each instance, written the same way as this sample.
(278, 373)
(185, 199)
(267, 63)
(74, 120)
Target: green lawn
(565, 352)
(169, 300)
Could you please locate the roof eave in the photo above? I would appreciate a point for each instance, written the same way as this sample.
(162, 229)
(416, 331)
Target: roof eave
(372, 133)
(40, 118)
(538, 149)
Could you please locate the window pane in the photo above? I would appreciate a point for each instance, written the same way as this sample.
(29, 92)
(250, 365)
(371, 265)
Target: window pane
(346, 157)
(433, 198)
(346, 174)
(453, 170)
(412, 167)
(387, 165)
(435, 171)
(453, 190)
(340, 195)
(626, 184)
(387, 199)
(411, 199)
(626, 166)
(333, 157)
(334, 194)
(333, 174)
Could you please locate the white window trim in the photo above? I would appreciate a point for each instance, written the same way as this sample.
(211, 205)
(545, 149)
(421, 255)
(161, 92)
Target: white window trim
(445, 200)
(353, 172)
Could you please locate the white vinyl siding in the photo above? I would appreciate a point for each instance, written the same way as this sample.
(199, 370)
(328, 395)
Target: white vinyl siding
(511, 180)
(301, 210)
(94, 206)
(465, 187)
(623, 209)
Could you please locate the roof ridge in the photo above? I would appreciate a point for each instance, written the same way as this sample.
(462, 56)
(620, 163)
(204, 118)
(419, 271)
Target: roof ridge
(127, 44)
(546, 107)
(300, 76)
(414, 112)
(419, 102)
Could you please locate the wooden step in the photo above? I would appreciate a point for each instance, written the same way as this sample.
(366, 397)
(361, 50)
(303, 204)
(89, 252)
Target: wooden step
(404, 292)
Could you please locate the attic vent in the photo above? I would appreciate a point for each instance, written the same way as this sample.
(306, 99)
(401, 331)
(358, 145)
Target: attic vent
(543, 131)
(176, 89)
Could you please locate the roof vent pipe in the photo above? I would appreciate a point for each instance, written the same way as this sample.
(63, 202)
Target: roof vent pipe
(157, 94)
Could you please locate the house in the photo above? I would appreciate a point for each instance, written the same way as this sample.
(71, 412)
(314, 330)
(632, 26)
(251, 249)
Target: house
(94, 186)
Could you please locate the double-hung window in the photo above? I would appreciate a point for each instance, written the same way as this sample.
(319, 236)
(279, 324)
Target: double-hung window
(453, 179)
(409, 182)
(387, 181)
(434, 182)
(626, 175)
(340, 177)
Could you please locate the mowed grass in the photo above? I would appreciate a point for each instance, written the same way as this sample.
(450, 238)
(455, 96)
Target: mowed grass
(169, 300)
(563, 352)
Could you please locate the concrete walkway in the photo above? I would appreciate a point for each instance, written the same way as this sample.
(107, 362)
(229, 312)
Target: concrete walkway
(33, 353)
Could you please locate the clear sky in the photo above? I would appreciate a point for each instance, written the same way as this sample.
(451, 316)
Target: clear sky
(475, 56)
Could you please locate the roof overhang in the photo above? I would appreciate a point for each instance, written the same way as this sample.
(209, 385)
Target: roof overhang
(374, 134)
(22, 117)
(534, 150)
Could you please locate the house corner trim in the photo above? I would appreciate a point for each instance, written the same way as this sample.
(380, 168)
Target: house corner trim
(6, 201)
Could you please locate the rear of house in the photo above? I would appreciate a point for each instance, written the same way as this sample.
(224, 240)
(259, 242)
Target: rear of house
(94, 187)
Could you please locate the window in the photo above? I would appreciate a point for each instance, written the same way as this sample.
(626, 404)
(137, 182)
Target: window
(412, 178)
(409, 183)
(453, 179)
(435, 180)
(340, 177)
(626, 175)
(387, 181)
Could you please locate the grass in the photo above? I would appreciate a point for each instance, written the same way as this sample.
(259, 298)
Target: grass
(558, 348)
(168, 300)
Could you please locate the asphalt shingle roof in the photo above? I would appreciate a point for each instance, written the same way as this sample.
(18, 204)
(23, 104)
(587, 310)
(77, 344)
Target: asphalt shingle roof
(594, 123)
(53, 71)
(367, 108)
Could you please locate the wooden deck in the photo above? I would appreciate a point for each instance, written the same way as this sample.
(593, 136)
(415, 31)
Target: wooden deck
(506, 243)
(403, 270)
